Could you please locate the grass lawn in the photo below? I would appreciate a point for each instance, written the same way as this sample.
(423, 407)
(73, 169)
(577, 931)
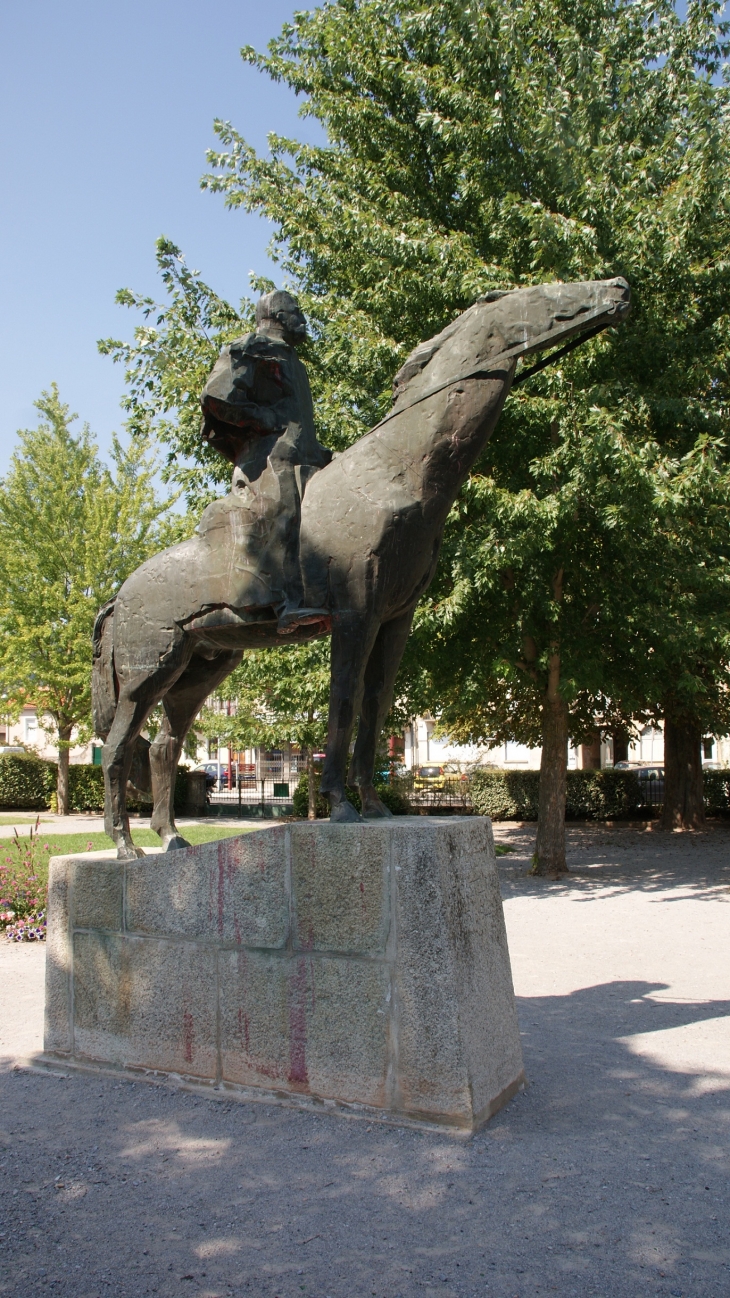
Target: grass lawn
(73, 844)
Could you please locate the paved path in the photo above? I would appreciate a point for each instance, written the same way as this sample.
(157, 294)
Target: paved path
(609, 1176)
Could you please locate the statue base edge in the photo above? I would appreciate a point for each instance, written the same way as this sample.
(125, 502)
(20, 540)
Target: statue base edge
(64, 1065)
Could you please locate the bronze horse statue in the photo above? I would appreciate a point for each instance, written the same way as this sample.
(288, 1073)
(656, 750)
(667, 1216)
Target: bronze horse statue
(370, 533)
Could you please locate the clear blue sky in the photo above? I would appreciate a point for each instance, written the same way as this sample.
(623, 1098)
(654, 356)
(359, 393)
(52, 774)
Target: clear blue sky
(106, 114)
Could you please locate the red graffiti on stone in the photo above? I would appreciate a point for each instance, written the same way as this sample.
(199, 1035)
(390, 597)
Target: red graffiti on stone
(188, 1036)
(298, 1025)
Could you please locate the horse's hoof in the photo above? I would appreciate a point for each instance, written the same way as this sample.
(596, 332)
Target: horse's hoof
(128, 852)
(344, 813)
(374, 809)
(174, 843)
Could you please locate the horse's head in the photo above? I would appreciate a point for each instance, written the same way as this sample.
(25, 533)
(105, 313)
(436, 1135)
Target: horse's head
(530, 319)
(501, 327)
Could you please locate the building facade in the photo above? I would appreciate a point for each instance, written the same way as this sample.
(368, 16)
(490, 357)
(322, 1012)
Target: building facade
(422, 748)
(36, 734)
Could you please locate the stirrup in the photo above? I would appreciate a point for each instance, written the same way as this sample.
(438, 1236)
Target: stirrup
(291, 619)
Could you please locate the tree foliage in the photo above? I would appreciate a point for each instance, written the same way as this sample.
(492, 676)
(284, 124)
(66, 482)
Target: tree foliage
(71, 530)
(166, 366)
(473, 145)
(281, 696)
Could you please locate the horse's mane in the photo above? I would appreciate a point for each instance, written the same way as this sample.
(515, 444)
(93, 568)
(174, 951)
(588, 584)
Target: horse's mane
(425, 351)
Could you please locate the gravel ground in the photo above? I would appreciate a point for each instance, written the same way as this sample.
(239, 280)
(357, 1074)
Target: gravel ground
(608, 1176)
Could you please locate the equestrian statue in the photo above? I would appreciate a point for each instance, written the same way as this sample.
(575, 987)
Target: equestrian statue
(307, 544)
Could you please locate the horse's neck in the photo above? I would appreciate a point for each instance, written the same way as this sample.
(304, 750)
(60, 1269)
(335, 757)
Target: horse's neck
(435, 443)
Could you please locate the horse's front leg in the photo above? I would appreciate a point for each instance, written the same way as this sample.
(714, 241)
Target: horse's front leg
(353, 635)
(379, 680)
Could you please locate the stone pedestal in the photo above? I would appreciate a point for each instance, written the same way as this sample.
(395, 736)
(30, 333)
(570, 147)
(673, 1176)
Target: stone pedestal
(352, 966)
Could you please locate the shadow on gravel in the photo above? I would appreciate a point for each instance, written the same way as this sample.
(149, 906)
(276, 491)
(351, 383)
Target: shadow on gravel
(622, 859)
(592, 1036)
(607, 1177)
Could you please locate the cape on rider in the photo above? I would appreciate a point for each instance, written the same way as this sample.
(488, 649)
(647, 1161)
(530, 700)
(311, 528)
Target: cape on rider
(258, 412)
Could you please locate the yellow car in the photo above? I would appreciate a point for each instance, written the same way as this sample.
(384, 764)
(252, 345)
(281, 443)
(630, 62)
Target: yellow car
(429, 777)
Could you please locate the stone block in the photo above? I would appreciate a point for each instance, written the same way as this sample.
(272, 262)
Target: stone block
(458, 1037)
(340, 888)
(344, 1006)
(361, 964)
(315, 1025)
(233, 890)
(97, 894)
(256, 1036)
(145, 1003)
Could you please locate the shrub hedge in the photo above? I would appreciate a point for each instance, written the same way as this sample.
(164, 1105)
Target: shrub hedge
(394, 800)
(85, 788)
(591, 795)
(86, 791)
(717, 790)
(26, 782)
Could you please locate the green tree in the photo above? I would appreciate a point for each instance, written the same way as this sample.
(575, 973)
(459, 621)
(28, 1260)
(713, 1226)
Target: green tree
(71, 530)
(602, 639)
(472, 146)
(280, 696)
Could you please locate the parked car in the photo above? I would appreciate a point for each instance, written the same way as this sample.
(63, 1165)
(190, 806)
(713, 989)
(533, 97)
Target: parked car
(212, 774)
(651, 780)
(429, 777)
(455, 774)
(216, 775)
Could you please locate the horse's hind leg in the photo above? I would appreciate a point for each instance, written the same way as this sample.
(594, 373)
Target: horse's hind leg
(380, 675)
(181, 704)
(117, 756)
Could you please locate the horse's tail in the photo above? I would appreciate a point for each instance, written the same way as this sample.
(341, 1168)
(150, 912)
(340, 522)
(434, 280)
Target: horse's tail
(103, 679)
(104, 695)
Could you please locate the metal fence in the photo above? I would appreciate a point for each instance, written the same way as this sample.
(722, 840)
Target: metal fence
(268, 785)
(270, 781)
(249, 790)
(447, 792)
(652, 792)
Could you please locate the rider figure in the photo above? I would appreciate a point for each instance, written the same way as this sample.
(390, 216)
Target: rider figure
(257, 411)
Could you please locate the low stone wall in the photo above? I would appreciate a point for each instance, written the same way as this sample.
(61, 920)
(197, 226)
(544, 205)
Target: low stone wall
(356, 965)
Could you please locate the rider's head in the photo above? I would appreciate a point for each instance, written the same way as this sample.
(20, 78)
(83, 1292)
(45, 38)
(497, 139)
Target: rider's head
(280, 314)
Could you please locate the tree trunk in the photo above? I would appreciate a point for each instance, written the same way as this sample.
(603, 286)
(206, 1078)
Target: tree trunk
(620, 746)
(64, 744)
(311, 790)
(684, 806)
(549, 855)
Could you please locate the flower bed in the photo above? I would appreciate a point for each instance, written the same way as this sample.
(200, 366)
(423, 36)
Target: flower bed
(24, 887)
